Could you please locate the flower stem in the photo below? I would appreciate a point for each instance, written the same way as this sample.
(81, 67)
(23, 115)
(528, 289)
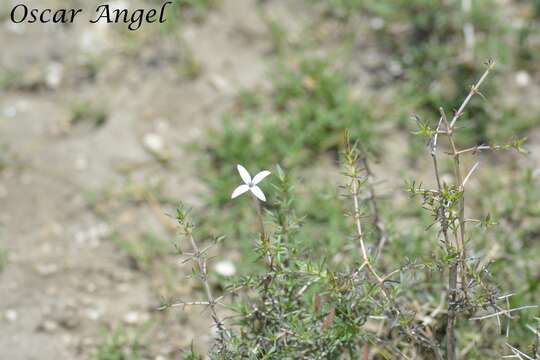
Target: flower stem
(264, 237)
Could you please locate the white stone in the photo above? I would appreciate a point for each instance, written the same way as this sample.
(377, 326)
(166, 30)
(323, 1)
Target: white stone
(162, 125)
(92, 236)
(80, 237)
(93, 314)
(220, 83)
(48, 326)
(153, 142)
(376, 23)
(11, 315)
(132, 318)
(225, 268)
(81, 163)
(47, 269)
(523, 78)
(10, 111)
(54, 75)
(395, 68)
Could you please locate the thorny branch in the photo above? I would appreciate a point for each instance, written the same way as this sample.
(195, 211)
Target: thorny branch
(200, 258)
(382, 236)
(352, 157)
(446, 220)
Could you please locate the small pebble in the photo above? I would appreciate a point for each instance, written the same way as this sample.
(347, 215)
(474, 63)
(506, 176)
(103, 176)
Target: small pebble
(47, 269)
(11, 315)
(81, 163)
(93, 314)
(523, 78)
(162, 125)
(47, 326)
(68, 339)
(376, 23)
(53, 77)
(92, 235)
(153, 142)
(219, 83)
(132, 318)
(91, 287)
(57, 229)
(225, 268)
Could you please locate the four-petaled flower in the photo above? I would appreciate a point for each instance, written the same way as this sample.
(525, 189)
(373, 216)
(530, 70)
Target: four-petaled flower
(250, 184)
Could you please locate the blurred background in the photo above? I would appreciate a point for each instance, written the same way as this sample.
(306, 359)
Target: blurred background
(103, 131)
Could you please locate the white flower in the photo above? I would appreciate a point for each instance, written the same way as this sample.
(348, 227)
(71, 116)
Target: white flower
(249, 184)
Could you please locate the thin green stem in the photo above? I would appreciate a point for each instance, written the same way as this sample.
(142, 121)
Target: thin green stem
(264, 236)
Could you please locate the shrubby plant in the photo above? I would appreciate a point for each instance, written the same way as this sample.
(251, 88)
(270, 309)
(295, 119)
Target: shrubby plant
(440, 305)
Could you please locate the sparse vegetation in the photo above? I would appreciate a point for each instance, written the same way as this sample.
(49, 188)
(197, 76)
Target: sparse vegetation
(304, 121)
(189, 9)
(3, 259)
(396, 224)
(367, 305)
(119, 345)
(87, 112)
(143, 252)
(5, 157)
(10, 79)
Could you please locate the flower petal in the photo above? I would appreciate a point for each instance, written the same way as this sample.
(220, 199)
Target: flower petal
(258, 178)
(258, 193)
(239, 191)
(244, 174)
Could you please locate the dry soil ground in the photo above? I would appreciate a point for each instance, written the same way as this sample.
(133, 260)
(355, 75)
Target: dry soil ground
(65, 182)
(87, 115)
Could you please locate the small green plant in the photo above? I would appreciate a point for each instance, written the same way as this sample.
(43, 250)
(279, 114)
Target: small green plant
(10, 79)
(278, 36)
(3, 259)
(343, 9)
(191, 354)
(190, 68)
(382, 303)
(144, 251)
(119, 345)
(87, 112)
(516, 210)
(5, 157)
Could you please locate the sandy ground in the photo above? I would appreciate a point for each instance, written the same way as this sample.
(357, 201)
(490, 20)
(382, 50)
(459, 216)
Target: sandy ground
(63, 192)
(69, 189)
